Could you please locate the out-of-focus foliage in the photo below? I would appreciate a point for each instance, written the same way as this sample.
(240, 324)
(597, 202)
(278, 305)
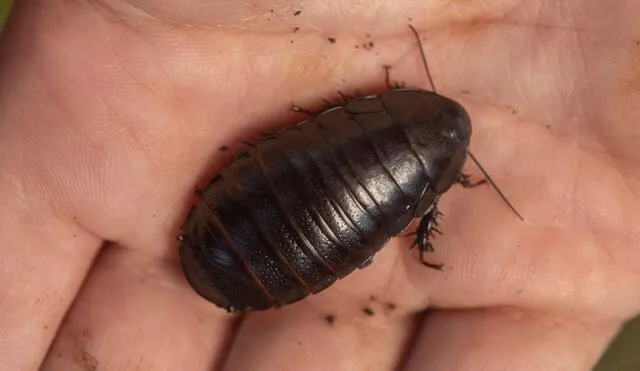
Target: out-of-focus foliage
(623, 353)
(5, 7)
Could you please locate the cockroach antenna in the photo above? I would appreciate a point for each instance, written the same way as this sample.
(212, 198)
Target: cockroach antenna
(433, 88)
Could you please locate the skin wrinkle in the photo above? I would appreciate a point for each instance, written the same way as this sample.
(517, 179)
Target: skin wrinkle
(592, 227)
(538, 12)
(463, 21)
(545, 60)
(463, 26)
(577, 104)
(595, 225)
(66, 111)
(123, 67)
(617, 159)
(576, 183)
(592, 230)
(184, 24)
(107, 347)
(520, 89)
(58, 103)
(126, 128)
(122, 15)
(630, 187)
(108, 13)
(522, 93)
(152, 15)
(127, 131)
(572, 21)
(614, 159)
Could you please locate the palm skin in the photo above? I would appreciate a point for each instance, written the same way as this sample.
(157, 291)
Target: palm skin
(111, 112)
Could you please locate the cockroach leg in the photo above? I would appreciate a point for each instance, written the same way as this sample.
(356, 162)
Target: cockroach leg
(425, 230)
(387, 79)
(309, 112)
(345, 98)
(463, 179)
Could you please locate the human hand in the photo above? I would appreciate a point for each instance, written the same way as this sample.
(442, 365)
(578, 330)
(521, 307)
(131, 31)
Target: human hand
(111, 112)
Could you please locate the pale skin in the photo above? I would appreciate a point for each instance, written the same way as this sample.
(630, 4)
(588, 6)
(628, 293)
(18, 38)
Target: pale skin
(112, 112)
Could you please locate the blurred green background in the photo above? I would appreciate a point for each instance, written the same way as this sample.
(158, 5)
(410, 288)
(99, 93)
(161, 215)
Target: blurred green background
(624, 353)
(5, 5)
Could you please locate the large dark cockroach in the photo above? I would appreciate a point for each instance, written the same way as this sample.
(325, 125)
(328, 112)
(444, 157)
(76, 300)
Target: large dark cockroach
(317, 200)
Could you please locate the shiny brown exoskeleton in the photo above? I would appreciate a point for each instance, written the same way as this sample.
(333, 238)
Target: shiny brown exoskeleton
(316, 201)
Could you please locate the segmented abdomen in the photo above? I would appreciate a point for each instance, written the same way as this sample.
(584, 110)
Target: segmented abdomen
(301, 210)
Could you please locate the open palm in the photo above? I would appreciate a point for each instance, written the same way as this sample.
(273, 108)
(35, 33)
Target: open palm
(112, 112)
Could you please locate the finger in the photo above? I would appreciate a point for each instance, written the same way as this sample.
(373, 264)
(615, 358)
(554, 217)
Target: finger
(43, 261)
(342, 328)
(368, 337)
(509, 339)
(44, 256)
(137, 312)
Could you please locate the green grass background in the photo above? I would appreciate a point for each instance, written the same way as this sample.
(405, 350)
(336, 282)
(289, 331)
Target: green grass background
(624, 353)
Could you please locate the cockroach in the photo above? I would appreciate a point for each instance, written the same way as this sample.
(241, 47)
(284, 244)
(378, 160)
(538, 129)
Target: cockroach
(315, 201)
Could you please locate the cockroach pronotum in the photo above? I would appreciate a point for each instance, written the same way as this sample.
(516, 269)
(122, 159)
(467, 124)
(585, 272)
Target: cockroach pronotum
(315, 201)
